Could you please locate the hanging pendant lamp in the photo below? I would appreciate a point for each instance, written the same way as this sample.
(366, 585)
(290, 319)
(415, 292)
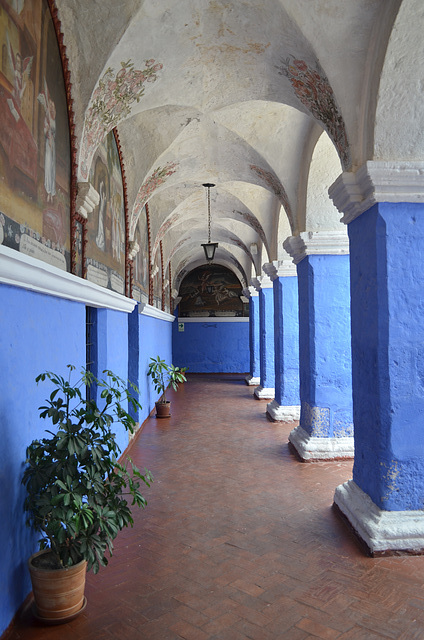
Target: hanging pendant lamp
(209, 247)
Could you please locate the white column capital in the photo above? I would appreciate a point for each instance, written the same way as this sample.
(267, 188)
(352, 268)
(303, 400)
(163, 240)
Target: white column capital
(280, 269)
(262, 282)
(134, 248)
(87, 199)
(377, 181)
(310, 243)
(250, 292)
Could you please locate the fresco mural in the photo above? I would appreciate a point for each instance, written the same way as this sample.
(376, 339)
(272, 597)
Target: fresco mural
(166, 285)
(35, 155)
(313, 89)
(157, 283)
(105, 251)
(273, 182)
(111, 102)
(155, 180)
(141, 261)
(211, 291)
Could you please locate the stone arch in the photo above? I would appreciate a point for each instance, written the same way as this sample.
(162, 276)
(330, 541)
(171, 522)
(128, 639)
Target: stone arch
(398, 127)
(324, 168)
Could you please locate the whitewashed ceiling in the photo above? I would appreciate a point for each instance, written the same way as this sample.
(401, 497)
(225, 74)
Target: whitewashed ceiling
(238, 93)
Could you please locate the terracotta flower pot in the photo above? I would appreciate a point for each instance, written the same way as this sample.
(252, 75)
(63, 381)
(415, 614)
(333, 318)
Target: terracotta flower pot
(163, 409)
(58, 593)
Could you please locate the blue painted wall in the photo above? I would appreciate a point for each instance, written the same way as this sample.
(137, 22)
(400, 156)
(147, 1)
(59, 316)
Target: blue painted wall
(212, 347)
(155, 339)
(112, 354)
(255, 355)
(37, 333)
(286, 340)
(387, 281)
(325, 346)
(266, 337)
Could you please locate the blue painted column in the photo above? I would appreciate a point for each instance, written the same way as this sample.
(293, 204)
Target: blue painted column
(385, 500)
(253, 379)
(264, 286)
(286, 405)
(326, 423)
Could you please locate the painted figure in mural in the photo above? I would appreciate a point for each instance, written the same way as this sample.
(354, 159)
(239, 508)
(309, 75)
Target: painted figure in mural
(21, 71)
(100, 238)
(17, 5)
(117, 232)
(50, 145)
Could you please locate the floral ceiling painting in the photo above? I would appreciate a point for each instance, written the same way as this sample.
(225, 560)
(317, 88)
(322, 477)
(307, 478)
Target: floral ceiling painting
(274, 183)
(155, 180)
(111, 103)
(313, 89)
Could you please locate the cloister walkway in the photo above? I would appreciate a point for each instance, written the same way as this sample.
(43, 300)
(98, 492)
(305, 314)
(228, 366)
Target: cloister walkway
(239, 541)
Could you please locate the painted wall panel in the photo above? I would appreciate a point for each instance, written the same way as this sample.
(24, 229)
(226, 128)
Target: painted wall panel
(212, 347)
(37, 333)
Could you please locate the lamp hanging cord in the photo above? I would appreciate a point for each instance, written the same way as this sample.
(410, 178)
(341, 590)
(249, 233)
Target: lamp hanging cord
(209, 214)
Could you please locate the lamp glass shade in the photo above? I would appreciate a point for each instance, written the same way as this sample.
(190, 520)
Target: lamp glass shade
(209, 249)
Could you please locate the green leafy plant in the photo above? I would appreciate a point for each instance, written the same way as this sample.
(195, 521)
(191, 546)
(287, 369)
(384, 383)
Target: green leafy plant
(77, 492)
(164, 376)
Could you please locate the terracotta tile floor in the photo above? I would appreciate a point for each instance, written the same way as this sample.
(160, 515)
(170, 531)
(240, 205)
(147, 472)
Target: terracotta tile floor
(239, 541)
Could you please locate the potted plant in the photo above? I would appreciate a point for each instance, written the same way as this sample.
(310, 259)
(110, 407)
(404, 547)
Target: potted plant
(164, 376)
(77, 492)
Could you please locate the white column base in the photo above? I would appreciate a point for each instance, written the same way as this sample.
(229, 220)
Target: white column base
(311, 448)
(264, 393)
(280, 413)
(252, 381)
(383, 532)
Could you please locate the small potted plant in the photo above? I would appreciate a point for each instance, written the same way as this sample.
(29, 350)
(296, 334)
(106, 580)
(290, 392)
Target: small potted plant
(164, 376)
(77, 492)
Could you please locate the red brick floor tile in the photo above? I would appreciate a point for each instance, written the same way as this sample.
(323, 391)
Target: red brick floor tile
(188, 632)
(239, 541)
(318, 630)
(221, 623)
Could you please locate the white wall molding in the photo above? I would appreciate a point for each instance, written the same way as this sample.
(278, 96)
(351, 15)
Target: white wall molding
(145, 309)
(19, 270)
(377, 181)
(280, 269)
(312, 448)
(213, 319)
(310, 243)
(380, 530)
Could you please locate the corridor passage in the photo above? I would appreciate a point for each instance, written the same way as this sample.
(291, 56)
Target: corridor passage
(239, 541)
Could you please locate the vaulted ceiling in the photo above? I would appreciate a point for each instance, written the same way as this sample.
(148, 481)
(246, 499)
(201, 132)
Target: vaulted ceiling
(268, 100)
